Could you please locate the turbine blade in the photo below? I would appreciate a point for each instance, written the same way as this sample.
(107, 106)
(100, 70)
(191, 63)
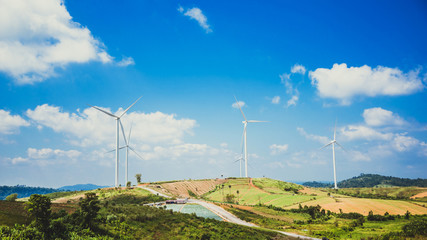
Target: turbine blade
(131, 148)
(130, 131)
(130, 107)
(256, 121)
(240, 108)
(99, 109)
(335, 129)
(341, 146)
(123, 131)
(114, 150)
(326, 145)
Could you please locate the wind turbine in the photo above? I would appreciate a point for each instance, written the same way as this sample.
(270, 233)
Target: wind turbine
(127, 142)
(117, 135)
(333, 142)
(245, 123)
(240, 159)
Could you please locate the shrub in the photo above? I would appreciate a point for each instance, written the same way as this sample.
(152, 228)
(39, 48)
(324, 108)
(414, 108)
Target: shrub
(12, 197)
(415, 228)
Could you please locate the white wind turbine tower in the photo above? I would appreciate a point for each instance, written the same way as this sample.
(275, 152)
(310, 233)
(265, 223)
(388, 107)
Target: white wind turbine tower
(117, 135)
(245, 123)
(333, 142)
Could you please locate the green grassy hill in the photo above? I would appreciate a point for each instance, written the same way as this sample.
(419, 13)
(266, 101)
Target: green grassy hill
(122, 215)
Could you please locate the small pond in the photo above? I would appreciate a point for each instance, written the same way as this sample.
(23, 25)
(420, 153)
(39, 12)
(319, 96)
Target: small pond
(200, 211)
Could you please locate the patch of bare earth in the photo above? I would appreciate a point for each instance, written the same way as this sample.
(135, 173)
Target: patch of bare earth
(377, 206)
(420, 195)
(198, 187)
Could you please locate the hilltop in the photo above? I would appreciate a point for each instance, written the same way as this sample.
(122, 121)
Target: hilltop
(372, 180)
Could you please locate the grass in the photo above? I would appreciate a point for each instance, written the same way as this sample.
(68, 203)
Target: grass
(382, 192)
(266, 191)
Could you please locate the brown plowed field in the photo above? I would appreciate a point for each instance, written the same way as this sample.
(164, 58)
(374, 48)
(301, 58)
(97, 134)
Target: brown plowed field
(420, 195)
(199, 187)
(363, 206)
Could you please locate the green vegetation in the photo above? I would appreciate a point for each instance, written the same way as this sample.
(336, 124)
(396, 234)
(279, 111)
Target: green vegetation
(12, 197)
(393, 193)
(316, 222)
(372, 180)
(56, 195)
(276, 186)
(138, 178)
(118, 215)
(266, 191)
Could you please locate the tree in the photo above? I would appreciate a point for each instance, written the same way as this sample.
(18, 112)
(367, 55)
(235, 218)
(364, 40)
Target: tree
(138, 178)
(38, 207)
(89, 207)
(12, 197)
(128, 184)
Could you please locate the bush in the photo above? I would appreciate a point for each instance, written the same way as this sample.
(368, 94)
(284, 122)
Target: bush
(12, 197)
(415, 228)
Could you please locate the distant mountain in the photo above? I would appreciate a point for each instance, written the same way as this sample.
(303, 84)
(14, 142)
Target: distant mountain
(80, 187)
(371, 180)
(23, 191)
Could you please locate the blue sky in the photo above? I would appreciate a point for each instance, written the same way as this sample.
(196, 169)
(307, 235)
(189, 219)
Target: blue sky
(301, 65)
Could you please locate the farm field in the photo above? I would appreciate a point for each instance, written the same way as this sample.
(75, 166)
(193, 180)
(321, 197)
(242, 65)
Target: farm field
(198, 187)
(265, 191)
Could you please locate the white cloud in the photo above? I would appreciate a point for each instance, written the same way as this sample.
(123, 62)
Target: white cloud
(276, 149)
(361, 132)
(275, 100)
(48, 156)
(343, 83)
(38, 36)
(197, 14)
(320, 139)
(293, 101)
(18, 160)
(126, 61)
(404, 143)
(10, 124)
(92, 127)
(46, 153)
(297, 68)
(290, 89)
(381, 117)
(237, 104)
(357, 156)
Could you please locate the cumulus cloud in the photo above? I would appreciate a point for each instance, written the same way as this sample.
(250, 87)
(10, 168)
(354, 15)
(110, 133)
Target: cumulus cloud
(320, 139)
(197, 14)
(275, 100)
(10, 124)
(361, 132)
(47, 156)
(344, 83)
(237, 104)
(38, 36)
(297, 68)
(380, 117)
(92, 127)
(276, 149)
(126, 61)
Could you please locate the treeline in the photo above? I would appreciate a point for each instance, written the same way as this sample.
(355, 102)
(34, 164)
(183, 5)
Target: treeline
(371, 180)
(23, 191)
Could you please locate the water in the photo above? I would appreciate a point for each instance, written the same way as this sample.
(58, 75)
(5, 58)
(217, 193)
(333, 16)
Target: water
(200, 211)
